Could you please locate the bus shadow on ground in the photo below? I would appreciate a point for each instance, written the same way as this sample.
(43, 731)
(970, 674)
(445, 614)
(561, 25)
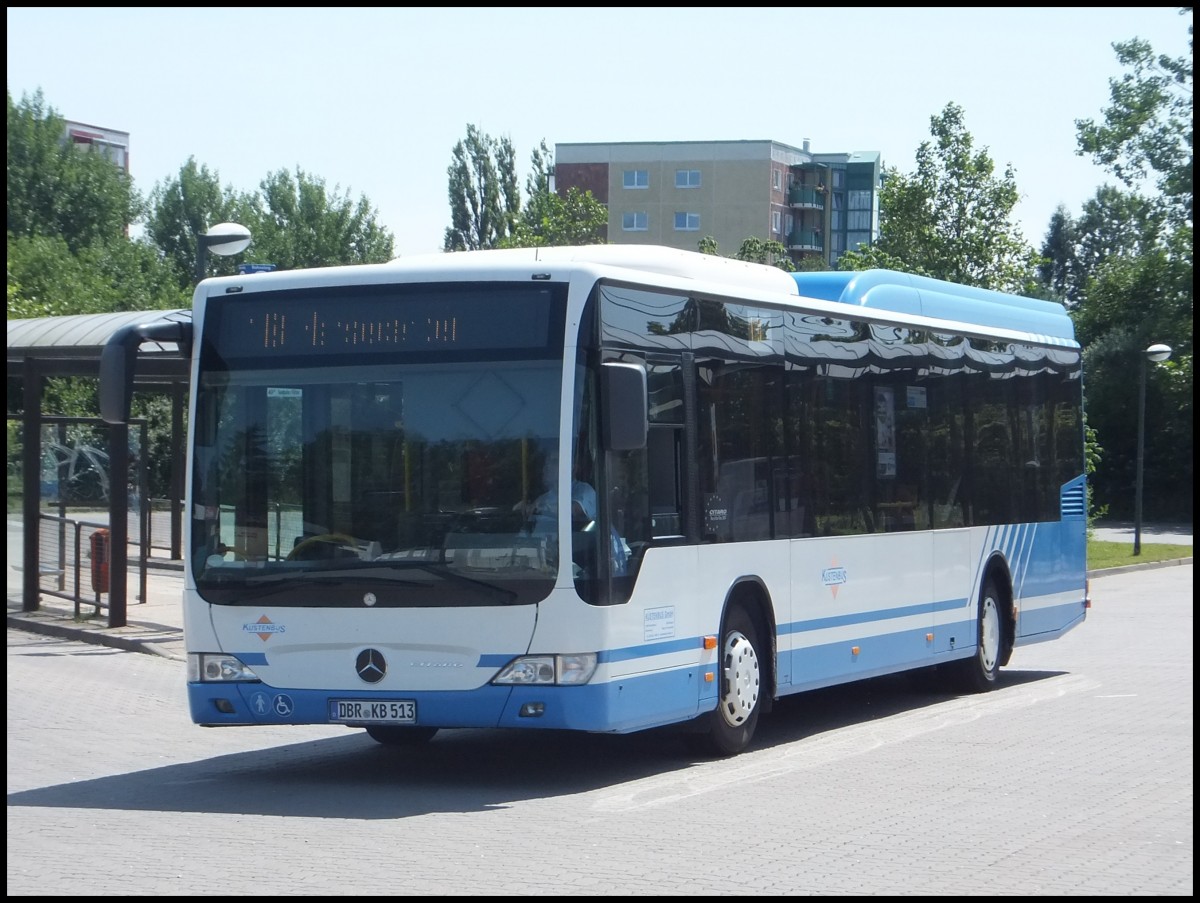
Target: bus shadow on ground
(475, 770)
(804, 715)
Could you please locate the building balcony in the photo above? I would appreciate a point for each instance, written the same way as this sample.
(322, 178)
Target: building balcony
(806, 240)
(810, 198)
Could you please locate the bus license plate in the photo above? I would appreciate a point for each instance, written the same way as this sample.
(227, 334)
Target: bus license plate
(373, 711)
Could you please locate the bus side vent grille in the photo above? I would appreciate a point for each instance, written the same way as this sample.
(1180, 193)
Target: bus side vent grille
(1073, 501)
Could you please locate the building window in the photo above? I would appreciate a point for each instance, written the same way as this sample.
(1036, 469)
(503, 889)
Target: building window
(858, 219)
(776, 221)
(856, 240)
(635, 222)
(859, 200)
(776, 179)
(636, 178)
(839, 178)
(110, 150)
(788, 224)
(687, 178)
(687, 222)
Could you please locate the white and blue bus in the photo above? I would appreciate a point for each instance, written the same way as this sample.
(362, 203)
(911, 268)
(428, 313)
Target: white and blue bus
(763, 483)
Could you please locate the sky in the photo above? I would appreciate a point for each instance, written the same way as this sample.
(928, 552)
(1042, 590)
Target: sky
(372, 101)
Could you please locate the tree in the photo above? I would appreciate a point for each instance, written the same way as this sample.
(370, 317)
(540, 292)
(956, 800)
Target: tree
(755, 250)
(182, 208)
(951, 218)
(1135, 302)
(771, 253)
(56, 188)
(1137, 254)
(68, 216)
(484, 196)
(296, 222)
(548, 219)
(69, 251)
(1113, 223)
(540, 204)
(1059, 269)
(576, 219)
(47, 280)
(293, 220)
(1146, 131)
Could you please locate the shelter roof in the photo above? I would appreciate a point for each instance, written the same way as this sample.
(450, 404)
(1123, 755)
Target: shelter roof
(84, 335)
(72, 344)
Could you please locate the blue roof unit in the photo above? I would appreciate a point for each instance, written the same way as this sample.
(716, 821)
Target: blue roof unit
(888, 290)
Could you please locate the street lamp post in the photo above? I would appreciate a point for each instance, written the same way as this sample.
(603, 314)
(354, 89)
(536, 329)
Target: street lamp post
(1156, 354)
(224, 239)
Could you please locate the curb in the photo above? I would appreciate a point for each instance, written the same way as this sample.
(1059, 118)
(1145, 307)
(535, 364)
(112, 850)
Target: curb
(1144, 566)
(154, 639)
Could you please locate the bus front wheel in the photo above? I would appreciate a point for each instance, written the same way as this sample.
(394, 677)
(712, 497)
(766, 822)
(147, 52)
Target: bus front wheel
(730, 727)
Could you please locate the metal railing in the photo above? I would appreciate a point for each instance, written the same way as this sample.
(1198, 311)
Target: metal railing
(156, 516)
(67, 548)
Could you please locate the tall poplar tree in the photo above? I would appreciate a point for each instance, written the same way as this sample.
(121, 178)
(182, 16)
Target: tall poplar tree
(485, 200)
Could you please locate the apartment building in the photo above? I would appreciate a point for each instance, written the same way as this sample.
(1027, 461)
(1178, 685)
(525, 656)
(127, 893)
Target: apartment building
(111, 143)
(679, 192)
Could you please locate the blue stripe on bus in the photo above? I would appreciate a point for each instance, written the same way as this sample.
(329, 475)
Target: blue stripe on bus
(649, 650)
(868, 617)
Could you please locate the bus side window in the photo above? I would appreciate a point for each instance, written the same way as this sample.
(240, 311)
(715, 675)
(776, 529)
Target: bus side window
(664, 482)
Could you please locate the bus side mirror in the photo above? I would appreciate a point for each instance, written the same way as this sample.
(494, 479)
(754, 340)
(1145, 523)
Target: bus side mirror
(119, 358)
(624, 401)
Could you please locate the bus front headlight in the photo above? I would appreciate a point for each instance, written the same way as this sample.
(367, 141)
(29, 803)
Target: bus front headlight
(208, 667)
(545, 670)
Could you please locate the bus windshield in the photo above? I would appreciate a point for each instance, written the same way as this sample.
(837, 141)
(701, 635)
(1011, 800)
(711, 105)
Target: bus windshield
(400, 462)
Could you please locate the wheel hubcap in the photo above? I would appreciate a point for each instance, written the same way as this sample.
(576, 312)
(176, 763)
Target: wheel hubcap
(989, 634)
(741, 679)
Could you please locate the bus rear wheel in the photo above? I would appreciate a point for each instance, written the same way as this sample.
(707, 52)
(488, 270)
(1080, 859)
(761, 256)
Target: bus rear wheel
(978, 673)
(390, 735)
(730, 727)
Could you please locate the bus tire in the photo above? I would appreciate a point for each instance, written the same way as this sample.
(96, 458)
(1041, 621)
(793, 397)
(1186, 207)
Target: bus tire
(730, 726)
(392, 735)
(978, 673)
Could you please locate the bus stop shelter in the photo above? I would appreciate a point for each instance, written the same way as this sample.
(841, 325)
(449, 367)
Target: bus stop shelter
(71, 346)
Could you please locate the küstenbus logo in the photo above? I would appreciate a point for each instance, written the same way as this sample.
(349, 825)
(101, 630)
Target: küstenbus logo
(264, 627)
(833, 577)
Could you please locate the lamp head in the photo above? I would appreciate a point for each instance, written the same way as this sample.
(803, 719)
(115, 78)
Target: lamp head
(227, 239)
(1158, 353)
